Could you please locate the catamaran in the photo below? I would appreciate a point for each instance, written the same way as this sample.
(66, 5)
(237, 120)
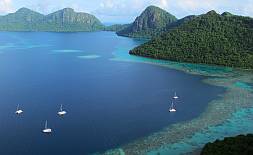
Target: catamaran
(61, 112)
(18, 111)
(172, 109)
(46, 130)
(175, 96)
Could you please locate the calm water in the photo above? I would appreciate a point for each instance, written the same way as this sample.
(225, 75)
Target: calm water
(109, 103)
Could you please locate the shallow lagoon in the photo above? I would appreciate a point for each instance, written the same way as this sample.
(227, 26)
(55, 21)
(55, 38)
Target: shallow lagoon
(110, 102)
(228, 116)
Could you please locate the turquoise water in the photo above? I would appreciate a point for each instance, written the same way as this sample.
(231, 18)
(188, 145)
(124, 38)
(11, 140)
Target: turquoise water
(88, 56)
(228, 116)
(109, 103)
(67, 51)
(239, 123)
(120, 54)
(243, 85)
(115, 101)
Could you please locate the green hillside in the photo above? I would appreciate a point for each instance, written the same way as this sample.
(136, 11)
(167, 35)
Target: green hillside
(211, 38)
(63, 20)
(116, 27)
(239, 145)
(150, 23)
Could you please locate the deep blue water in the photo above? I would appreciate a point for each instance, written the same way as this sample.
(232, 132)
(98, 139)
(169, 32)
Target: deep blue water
(109, 103)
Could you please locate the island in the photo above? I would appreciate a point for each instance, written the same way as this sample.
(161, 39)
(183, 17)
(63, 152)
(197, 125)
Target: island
(242, 144)
(152, 22)
(116, 27)
(212, 38)
(65, 20)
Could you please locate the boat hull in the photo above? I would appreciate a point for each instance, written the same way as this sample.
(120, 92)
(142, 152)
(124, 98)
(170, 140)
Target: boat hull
(47, 130)
(61, 113)
(18, 112)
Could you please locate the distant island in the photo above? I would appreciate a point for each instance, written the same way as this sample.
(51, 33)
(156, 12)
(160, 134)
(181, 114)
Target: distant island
(116, 27)
(152, 22)
(65, 20)
(211, 38)
(242, 144)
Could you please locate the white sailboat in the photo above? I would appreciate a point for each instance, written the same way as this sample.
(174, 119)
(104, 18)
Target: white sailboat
(46, 130)
(18, 111)
(172, 109)
(175, 96)
(61, 112)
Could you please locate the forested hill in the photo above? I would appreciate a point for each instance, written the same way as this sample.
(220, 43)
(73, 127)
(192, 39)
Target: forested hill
(239, 145)
(63, 20)
(211, 38)
(150, 23)
(116, 27)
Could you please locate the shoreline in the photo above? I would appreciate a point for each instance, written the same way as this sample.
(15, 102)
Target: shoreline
(238, 95)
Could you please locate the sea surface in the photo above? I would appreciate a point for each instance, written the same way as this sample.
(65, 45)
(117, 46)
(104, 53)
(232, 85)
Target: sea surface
(109, 103)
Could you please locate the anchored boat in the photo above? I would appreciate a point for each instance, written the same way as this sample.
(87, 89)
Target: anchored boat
(172, 109)
(18, 111)
(46, 130)
(61, 112)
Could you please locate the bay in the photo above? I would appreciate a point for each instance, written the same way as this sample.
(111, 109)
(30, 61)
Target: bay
(109, 103)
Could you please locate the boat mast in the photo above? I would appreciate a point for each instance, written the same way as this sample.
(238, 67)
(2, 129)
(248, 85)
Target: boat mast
(46, 124)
